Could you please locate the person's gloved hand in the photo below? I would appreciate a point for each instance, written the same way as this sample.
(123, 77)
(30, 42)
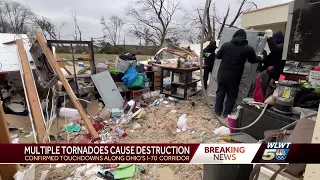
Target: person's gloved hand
(268, 33)
(265, 54)
(261, 56)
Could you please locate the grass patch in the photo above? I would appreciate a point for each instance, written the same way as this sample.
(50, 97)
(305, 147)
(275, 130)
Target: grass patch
(99, 57)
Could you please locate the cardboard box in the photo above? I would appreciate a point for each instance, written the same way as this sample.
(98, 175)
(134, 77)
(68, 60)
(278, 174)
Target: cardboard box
(122, 65)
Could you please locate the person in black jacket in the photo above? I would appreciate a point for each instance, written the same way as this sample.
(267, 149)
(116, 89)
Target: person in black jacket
(275, 42)
(210, 56)
(234, 55)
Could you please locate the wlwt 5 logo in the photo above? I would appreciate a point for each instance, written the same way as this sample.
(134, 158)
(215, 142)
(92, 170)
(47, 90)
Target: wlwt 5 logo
(276, 151)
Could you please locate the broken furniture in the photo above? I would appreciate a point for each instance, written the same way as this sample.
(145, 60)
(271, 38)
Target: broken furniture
(18, 61)
(187, 83)
(153, 73)
(75, 75)
(270, 120)
(156, 80)
(108, 90)
(8, 50)
(51, 59)
(44, 71)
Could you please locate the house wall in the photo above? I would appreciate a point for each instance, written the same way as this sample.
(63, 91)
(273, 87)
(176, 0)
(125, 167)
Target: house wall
(274, 27)
(274, 17)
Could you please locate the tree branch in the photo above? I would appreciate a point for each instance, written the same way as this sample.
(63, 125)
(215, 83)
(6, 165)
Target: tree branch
(224, 22)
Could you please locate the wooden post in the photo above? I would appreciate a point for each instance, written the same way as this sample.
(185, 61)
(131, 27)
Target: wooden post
(313, 170)
(7, 171)
(66, 85)
(31, 93)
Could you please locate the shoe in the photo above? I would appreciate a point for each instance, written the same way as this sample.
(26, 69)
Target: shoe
(224, 116)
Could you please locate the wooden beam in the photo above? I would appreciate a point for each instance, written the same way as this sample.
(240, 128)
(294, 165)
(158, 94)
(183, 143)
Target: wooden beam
(65, 84)
(7, 171)
(31, 93)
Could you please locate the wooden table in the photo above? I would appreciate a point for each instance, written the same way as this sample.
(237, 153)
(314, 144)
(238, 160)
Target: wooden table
(186, 84)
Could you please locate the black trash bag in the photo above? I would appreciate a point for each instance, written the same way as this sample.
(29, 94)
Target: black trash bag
(307, 98)
(128, 57)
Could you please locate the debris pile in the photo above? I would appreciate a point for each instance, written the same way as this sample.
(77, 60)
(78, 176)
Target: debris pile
(118, 103)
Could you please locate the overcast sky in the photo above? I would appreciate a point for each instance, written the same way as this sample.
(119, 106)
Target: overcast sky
(90, 11)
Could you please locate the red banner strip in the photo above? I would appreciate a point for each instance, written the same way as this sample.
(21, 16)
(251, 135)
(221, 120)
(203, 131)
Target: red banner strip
(96, 153)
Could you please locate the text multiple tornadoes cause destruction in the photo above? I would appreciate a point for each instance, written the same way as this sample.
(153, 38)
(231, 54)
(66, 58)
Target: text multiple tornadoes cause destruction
(273, 152)
(116, 153)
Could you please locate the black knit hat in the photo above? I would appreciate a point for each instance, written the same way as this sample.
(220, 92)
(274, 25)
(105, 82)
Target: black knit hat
(240, 33)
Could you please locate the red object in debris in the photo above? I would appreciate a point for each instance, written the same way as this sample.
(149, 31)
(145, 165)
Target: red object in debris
(97, 127)
(282, 77)
(135, 94)
(258, 94)
(316, 68)
(121, 132)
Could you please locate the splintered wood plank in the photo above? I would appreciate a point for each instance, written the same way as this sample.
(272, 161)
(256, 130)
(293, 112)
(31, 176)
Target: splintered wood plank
(65, 84)
(33, 99)
(6, 170)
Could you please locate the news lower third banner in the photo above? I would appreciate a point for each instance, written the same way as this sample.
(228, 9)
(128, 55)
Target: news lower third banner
(273, 152)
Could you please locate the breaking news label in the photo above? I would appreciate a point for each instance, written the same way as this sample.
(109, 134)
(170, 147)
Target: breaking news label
(272, 152)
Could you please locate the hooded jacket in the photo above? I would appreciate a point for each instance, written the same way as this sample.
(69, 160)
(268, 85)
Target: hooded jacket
(209, 61)
(275, 57)
(234, 55)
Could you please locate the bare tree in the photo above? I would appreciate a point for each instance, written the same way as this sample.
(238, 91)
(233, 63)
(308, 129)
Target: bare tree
(224, 22)
(244, 5)
(214, 23)
(15, 17)
(112, 28)
(153, 16)
(242, 8)
(145, 35)
(59, 31)
(194, 23)
(4, 25)
(48, 28)
(77, 31)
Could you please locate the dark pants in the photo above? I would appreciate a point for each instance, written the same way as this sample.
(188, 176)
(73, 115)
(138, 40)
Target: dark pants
(229, 88)
(206, 72)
